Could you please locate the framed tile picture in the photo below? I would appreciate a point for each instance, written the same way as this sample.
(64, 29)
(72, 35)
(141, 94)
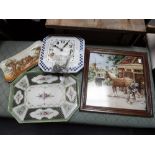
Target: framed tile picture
(116, 82)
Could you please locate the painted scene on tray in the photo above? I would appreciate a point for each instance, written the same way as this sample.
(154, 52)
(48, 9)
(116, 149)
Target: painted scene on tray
(116, 81)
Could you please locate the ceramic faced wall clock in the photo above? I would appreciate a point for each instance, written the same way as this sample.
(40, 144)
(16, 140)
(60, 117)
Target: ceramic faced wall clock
(62, 54)
(40, 97)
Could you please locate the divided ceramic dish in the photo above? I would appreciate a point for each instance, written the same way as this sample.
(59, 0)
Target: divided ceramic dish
(43, 97)
(62, 54)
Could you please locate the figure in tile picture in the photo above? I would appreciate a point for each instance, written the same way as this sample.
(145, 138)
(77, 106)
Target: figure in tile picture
(118, 81)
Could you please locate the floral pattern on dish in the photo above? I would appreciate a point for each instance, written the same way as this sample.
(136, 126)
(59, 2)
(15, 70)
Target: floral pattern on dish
(20, 111)
(67, 109)
(30, 97)
(47, 113)
(45, 95)
(44, 79)
(18, 97)
(23, 83)
(71, 94)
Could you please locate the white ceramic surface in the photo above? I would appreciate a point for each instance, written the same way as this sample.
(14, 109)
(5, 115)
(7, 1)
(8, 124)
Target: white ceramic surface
(39, 98)
(62, 54)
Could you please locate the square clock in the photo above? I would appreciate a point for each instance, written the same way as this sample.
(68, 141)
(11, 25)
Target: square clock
(62, 54)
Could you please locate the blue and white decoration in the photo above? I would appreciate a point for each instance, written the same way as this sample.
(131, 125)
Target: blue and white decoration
(70, 63)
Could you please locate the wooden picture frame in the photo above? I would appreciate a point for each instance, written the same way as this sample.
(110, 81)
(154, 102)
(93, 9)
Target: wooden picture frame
(103, 88)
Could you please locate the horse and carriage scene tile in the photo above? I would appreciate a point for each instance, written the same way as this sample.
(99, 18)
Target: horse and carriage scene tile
(116, 81)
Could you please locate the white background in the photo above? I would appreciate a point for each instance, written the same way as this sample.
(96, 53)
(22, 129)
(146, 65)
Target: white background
(77, 145)
(77, 9)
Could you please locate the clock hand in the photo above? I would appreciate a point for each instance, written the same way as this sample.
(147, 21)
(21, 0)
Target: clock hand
(66, 44)
(61, 49)
(58, 47)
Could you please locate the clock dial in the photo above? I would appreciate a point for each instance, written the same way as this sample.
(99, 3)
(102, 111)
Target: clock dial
(60, 51)
(60, 45)
(66, 53)
(64, 46)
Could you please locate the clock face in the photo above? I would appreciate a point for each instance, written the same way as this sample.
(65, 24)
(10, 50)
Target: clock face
(62, 54)
(60, 50)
